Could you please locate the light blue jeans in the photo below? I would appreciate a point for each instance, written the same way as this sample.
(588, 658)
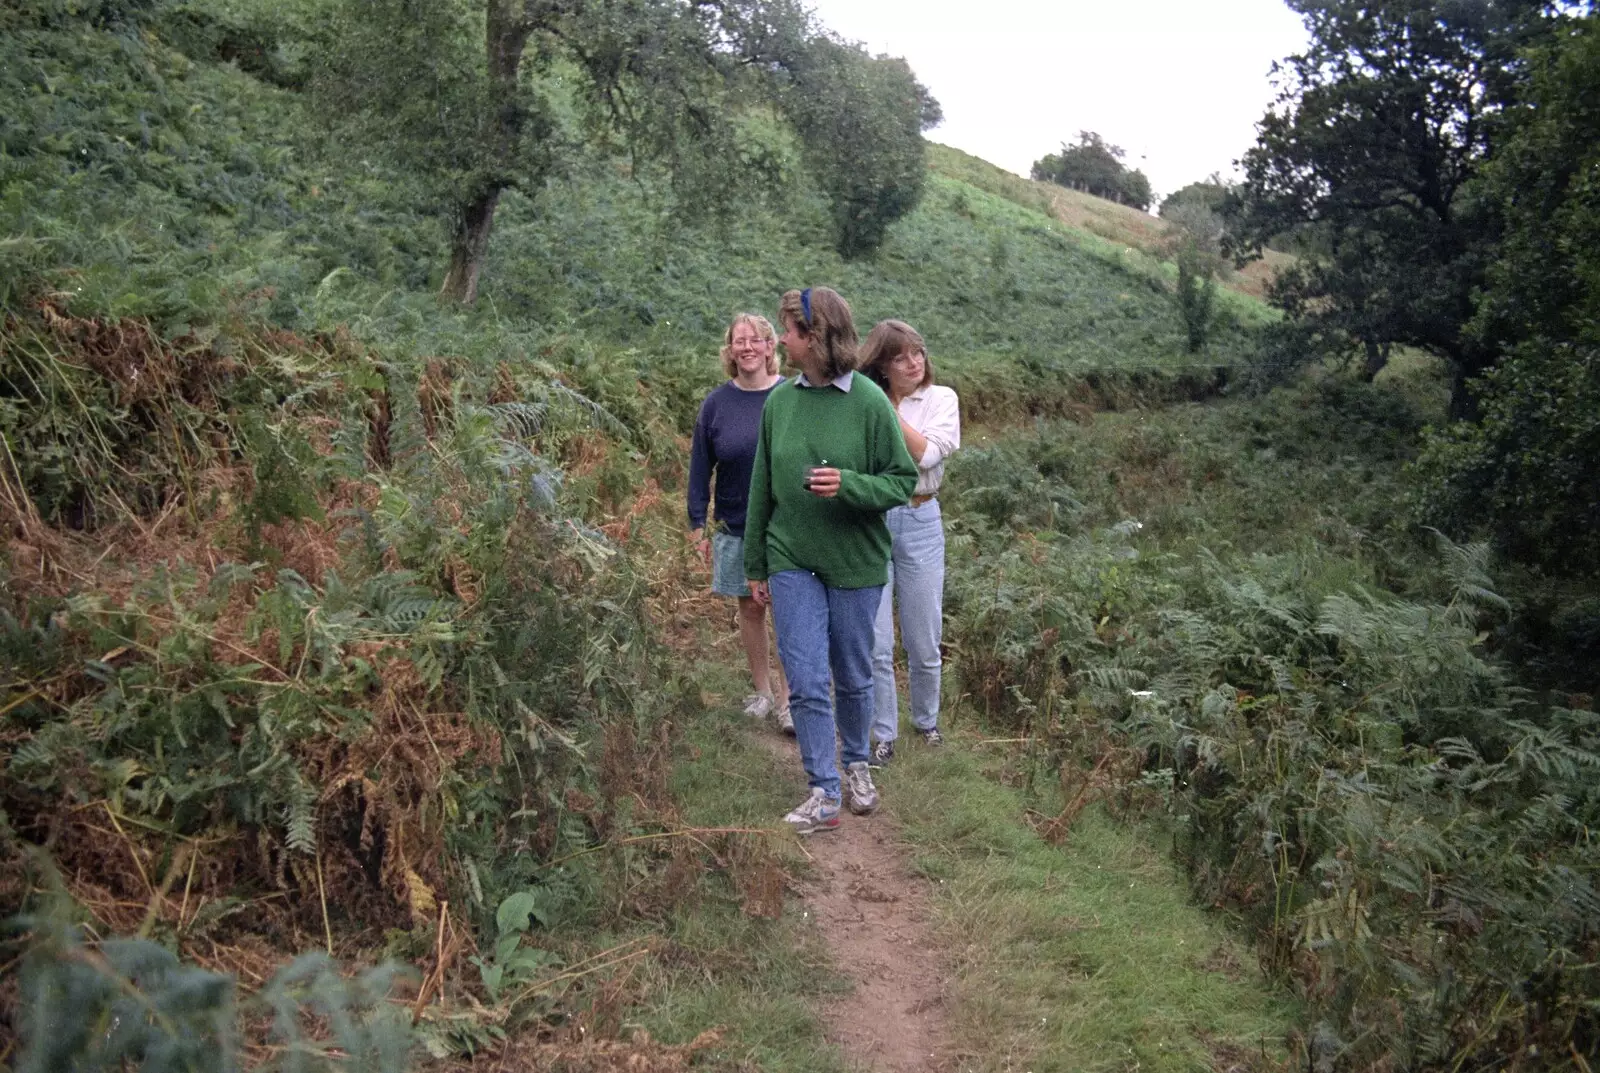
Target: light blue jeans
(916, 583)
(825, 637)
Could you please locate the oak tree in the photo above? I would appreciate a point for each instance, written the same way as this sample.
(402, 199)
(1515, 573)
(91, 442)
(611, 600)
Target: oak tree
(1369, 155)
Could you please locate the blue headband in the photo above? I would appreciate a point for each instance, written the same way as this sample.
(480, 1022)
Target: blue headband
(805, 305)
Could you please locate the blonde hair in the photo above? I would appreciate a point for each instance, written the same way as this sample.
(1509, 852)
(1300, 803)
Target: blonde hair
(829, 326)
(887, 341)
(764, 331)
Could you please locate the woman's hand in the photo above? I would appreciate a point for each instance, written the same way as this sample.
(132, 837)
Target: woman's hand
(759, 593)
(701, 544)
(824, 481)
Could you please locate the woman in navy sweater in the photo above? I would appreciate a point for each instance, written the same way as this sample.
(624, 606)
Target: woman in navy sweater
(725, 445)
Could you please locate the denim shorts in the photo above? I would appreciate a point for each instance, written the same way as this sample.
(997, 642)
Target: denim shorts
(727, 565)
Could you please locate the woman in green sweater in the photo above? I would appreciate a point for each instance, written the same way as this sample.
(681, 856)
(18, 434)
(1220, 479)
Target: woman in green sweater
(830, 459)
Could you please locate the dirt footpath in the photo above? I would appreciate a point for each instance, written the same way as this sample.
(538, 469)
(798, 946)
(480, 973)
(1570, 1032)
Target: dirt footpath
(872, 911)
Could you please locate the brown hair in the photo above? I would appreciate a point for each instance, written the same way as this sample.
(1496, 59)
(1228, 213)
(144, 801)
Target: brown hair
(764, 331)
(829, 326)
(887, 341)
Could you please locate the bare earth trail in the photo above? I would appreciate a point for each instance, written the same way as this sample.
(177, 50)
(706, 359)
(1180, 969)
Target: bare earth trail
(873, 913)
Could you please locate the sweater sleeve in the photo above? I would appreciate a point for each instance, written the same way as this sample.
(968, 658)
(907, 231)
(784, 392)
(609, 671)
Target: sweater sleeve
(893, 475)
(700, 466)
(758, 508)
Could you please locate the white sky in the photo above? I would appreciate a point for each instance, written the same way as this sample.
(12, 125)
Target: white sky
(1179, 84)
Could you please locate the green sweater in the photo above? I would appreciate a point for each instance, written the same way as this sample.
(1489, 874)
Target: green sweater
(843, 539)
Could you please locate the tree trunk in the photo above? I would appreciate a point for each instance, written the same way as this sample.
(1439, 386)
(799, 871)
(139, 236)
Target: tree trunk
(1377, 358)
(468, 247)
(507, 26)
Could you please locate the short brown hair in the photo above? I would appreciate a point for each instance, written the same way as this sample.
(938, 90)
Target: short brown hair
(887, 341)
(829, 325)
(764, 331)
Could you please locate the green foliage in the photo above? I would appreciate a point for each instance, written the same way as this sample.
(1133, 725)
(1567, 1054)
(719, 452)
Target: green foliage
(1545, 282)
(487, 96)
(513, 965)
(1195, 213)
(1528, 471)
(1525, 473)
(861, 119)
(1196, 290)
(308, 235)
(1370, 152)
(1198, 263)
(1095, 166)
(130, 1003)
(269, 41)
(1209, 194)
(1346, 769)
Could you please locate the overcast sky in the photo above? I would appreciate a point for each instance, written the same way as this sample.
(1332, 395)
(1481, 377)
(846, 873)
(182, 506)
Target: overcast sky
(1179, 84)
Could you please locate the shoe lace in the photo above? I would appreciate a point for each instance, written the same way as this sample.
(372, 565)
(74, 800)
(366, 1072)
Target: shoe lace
(811, 807)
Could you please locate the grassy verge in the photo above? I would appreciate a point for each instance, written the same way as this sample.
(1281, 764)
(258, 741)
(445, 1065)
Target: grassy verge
(1086, 956)
(760, 980)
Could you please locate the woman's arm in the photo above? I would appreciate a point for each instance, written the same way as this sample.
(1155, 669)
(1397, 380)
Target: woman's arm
(916, 442)
(701, 463)
(941, 429)
(891, 476)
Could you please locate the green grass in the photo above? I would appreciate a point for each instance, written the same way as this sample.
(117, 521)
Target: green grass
(760, 980)
(1088, 956)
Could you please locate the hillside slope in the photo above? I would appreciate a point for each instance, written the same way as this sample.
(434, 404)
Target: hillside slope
(168, 187)
(1121, 224)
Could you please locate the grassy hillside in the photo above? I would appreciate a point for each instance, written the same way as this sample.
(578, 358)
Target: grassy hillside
(141, 182)
(1116, 223)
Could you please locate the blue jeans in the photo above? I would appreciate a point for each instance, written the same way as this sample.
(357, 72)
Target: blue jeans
(825, 637)
(916, 583)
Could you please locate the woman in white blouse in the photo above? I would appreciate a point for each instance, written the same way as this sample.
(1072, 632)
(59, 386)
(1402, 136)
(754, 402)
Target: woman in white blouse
(897, 359)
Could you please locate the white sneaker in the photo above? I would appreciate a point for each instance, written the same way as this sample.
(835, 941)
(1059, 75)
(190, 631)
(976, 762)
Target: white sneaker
(758, 705)
(815, 813)
(863, 796)
(786, 720)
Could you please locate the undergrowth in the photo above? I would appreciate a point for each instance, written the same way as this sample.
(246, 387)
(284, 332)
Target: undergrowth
(307, 646)
(1228, 606)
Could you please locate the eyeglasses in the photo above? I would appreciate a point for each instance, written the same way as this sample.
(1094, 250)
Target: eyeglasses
(907, 358)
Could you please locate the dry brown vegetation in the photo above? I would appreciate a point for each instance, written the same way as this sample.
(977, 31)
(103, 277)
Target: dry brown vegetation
(391, 734)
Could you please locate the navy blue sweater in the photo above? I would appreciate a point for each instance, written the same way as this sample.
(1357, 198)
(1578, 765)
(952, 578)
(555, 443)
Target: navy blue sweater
(725, 436)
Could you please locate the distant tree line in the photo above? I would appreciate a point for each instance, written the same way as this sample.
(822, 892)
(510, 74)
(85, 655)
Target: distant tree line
(1436, 165)
(1095, 166)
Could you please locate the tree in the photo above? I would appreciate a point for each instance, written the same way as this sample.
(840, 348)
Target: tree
(1209, 194)
(1095, 166)
(1194, 244)
(1529, 469)
(1545, 180)
(477, 97)
(861, 119)
(1369, 153)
